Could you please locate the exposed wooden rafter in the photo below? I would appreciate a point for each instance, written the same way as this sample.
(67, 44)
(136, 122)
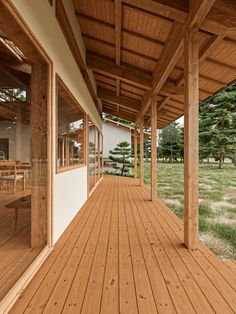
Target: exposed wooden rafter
(72, 43)
(122, 101)
(205, 53)
(174, 48)
(118, 39)
(214, 23)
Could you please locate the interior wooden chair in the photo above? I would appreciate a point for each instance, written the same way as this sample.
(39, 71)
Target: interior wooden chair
(12, 175)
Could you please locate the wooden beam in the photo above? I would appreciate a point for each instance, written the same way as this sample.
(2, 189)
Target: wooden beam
(128, 74)
(67, 30)
(174, 48)
(118, 30)
(112, 27)
(205, 52)
(191, 203)
(135, 153)
(214, 23)
(122, 101)
(119, 114)
(124, 73)
(118, 39)
(141, 139)
(154, 148)
(163, 103)
(136, 77)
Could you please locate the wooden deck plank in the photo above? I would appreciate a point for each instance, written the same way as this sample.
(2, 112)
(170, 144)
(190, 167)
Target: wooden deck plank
(225, 295)
(61, 249)
(178, 228)
(192, 270)
(55, 287)
(145, 299)
(124, 254)
(162, 296)
(128, 298)
(110, 293)
(177, 292)
(208, 261)
(231, 264)
(75, 298)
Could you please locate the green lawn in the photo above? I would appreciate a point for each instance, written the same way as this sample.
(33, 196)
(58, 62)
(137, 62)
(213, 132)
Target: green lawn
(217, 202)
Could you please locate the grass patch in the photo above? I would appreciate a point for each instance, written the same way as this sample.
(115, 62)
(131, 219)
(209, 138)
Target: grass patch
(216, 192)
(205, 210)
(225, 232)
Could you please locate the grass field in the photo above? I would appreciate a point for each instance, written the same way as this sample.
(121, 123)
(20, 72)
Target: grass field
(217, 202)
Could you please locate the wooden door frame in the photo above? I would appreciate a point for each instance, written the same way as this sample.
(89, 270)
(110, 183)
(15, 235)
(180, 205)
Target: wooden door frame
(13, 24)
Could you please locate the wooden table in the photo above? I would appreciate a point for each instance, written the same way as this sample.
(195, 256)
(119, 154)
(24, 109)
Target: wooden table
(20, 203)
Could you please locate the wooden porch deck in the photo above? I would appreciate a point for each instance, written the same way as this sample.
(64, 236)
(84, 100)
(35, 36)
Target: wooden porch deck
(124, 254)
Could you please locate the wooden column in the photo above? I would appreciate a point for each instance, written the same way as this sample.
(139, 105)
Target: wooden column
(141, 137)
(135, 152)
(191, 51)
(99, 156)
(39, 154)
(153, 148)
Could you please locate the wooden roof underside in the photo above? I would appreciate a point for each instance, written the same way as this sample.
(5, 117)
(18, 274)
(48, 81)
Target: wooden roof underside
(125, 41)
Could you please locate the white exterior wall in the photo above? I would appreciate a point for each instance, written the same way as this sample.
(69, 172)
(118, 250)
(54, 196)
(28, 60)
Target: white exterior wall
(113, 135)
(69, 188)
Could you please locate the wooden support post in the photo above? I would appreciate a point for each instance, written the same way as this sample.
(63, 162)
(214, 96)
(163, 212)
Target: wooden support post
(141, 137)
(153, 148)
(99, 156)
(39, 155)
(191, 236)
(135, 152)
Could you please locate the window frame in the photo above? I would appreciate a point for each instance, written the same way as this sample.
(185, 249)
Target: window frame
(98, 176)
(60, 169)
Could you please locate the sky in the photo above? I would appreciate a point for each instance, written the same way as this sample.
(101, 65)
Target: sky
(181, 120)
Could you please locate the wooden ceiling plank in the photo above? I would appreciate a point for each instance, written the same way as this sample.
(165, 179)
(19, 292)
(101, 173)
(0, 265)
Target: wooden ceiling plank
(119, 114)
(212, 24)
(122, 101)
(205, 52)
(124, 30)
(129, 74)
(118, 39)
(74, 47)
(180, 80)
(174, 48)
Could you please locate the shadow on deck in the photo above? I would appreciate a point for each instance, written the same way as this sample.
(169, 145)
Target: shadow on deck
(124, 254)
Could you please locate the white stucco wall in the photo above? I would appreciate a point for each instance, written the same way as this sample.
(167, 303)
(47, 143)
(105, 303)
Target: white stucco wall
(112, 135)
(70, 188)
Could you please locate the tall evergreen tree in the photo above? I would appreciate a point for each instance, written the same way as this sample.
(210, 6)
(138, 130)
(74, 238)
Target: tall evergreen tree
(217, 126)
(169, 142)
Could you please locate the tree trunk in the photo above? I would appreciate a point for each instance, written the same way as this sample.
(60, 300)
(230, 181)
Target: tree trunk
(221, 161)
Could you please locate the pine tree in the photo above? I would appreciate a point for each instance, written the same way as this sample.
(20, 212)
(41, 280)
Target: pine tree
(169, 144)
(121, 157)
(217, 126)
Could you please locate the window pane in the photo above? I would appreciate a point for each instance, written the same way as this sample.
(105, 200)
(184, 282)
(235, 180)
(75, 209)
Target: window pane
(97, 134)
(101, 155)
(70, 130)
(91, 155)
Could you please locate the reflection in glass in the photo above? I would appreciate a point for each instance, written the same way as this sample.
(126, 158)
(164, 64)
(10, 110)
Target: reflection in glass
(92, 150)
(70, 150)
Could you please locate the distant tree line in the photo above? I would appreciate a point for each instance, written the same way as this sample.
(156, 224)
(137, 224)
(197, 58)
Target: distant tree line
(217, 131)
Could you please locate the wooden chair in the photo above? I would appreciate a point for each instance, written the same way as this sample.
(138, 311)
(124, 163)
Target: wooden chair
(12, 175)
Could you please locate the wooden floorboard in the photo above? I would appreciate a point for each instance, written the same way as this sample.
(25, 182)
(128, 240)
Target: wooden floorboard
(15, 252)
(124, 254)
